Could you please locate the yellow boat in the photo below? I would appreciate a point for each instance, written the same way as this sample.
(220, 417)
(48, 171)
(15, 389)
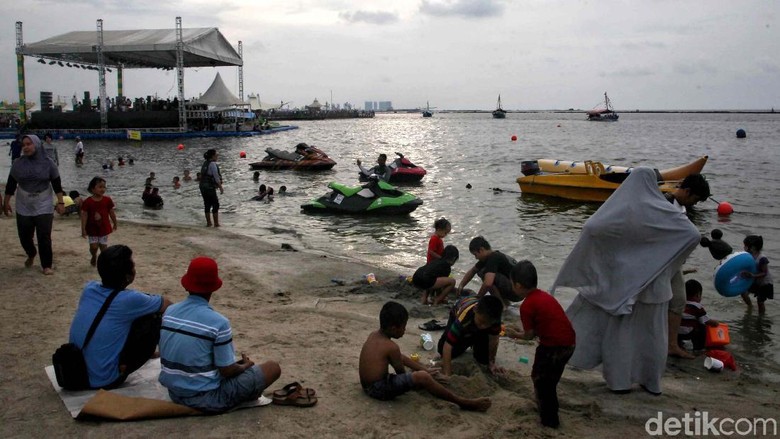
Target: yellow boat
(591, 180)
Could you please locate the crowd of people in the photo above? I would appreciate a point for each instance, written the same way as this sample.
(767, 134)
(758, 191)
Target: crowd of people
(632, 309)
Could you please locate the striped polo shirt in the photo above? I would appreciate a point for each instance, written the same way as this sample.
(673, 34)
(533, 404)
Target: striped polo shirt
(195, 341)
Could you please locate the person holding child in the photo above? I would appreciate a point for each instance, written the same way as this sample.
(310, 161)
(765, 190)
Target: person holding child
(442, 228)
(762, 286)
(127, 335)
(199, 367)
(474, 322)
(380, 351)
(96, 211)
(494, 268)
(694, 318)
(435, 276)
(543, 317)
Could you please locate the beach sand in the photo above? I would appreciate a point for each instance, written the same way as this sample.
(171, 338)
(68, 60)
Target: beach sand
(283, 306)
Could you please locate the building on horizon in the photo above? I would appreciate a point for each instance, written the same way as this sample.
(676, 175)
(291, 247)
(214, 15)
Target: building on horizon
(385, 106)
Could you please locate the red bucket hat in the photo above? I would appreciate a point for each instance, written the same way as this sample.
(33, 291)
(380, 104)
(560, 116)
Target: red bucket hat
(202, 276)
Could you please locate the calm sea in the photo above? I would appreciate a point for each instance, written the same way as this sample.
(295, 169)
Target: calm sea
(461, 149)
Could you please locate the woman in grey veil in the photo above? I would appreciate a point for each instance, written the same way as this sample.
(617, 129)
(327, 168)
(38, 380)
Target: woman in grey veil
(35, 180)
(622, 267)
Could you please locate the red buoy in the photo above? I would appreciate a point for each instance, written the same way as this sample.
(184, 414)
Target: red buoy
(242, 154)
(725, 208)
(514, 138)
(180, 147)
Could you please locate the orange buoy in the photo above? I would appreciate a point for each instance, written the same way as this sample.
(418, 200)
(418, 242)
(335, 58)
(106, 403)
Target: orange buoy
(725, 208)
(514, 138)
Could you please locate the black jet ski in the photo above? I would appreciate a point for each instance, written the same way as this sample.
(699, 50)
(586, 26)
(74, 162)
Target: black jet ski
(375, 197)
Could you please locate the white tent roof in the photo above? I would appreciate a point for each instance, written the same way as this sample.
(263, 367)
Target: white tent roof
(203, 47)
(218, 95)
(256, 104)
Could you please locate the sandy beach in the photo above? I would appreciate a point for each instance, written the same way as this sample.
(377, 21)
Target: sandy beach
(283, 306)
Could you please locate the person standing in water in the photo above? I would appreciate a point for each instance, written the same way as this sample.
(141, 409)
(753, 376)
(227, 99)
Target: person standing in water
(210, 181)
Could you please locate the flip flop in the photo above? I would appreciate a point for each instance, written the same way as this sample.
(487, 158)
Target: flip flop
(291, 388)
(297, 399)
(432, 325)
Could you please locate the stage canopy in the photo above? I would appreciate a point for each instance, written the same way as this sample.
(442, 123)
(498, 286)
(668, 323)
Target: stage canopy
(218, 95)
(143, 48)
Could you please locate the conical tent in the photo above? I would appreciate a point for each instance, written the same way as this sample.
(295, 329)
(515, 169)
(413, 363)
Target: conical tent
(218, 95)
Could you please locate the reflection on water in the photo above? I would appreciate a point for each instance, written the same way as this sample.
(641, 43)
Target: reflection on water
(458, 150)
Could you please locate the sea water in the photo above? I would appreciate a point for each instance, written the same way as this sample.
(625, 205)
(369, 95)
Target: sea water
(471, 149)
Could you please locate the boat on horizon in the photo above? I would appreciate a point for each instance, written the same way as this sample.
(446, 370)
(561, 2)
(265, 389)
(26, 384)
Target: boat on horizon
(603, 112)
(499, 113)
(591, 180)
(427, 112)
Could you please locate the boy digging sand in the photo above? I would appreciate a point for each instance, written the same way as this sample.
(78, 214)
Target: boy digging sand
(380, 350)
(542, 316)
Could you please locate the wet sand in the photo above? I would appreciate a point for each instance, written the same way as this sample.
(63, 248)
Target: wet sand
(283, 306)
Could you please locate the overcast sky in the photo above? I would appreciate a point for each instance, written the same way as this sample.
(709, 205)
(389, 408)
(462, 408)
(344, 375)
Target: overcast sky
(456, 54)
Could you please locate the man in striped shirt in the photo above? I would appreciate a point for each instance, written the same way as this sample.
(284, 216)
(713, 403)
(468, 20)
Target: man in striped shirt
(196, 350)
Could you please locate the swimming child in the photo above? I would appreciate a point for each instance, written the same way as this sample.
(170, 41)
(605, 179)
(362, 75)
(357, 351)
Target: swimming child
(120, 161)
(176, 184)
(130, 160)
(187, 176)
(694, 317)
(152, 198)
(442, 228)
(270, 195)
(762, 286)
(152, 176)
(282, 190)
(262, 191)
(96, 211)
(256, 176)
(380, 351)
(197, 176)
(434, 276)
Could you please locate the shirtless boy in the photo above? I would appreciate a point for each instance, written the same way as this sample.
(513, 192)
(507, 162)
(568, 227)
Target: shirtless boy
(379, 351)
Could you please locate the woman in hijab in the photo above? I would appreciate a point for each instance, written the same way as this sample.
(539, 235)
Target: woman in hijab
(35, 179)
(622, 267)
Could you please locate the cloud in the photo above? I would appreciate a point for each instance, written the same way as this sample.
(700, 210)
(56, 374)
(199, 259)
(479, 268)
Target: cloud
(377, 17)
(768, 65)
(634, 72)
(695, 68)
(463, 8)
(639, 45)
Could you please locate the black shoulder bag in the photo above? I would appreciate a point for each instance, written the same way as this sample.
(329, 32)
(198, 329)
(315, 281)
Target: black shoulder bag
(68, 360)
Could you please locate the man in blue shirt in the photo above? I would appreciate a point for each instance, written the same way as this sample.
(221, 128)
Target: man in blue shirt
(199, 366)
(127, 335)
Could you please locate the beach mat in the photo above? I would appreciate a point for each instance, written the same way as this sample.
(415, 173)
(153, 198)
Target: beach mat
(140, 397)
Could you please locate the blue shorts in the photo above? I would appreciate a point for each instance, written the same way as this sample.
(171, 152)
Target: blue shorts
(231, 392)
(391, 386)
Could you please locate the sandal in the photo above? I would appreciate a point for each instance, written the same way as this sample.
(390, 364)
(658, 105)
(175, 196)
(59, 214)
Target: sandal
(432, 325)
(291, 389)
(297, 396)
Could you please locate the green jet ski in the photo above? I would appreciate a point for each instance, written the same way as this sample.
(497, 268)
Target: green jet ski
(375, 197)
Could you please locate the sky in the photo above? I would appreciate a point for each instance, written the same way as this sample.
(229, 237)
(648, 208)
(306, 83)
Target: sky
(453, 54)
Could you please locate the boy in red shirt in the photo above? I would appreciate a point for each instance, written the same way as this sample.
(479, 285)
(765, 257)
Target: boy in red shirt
(542, 316)
(442, 228)
(95, 213)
